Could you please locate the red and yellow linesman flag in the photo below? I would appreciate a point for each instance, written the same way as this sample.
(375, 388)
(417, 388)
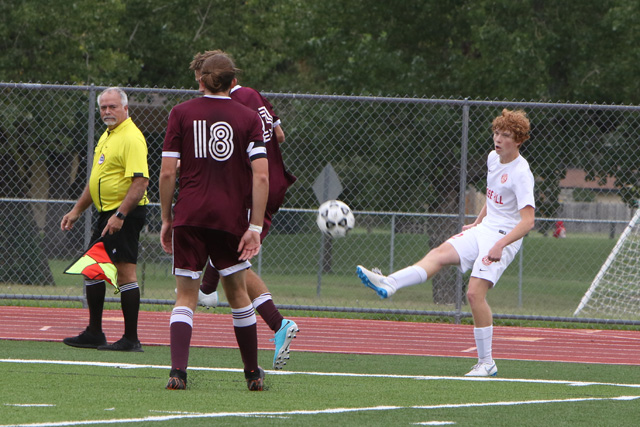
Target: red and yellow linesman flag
(95, 264)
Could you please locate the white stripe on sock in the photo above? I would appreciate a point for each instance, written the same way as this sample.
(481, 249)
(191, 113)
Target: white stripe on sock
(129, 286)
(243, 317)
(261, 299)
(182, 314)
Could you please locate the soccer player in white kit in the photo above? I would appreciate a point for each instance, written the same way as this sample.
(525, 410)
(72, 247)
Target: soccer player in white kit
(489, 244)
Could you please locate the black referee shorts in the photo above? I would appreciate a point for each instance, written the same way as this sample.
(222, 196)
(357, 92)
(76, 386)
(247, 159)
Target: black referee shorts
(123, 245)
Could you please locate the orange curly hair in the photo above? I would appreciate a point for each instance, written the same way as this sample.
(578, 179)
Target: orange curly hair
(515, 121)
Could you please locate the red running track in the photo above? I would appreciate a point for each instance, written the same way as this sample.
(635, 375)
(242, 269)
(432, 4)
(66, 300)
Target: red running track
(343, 336)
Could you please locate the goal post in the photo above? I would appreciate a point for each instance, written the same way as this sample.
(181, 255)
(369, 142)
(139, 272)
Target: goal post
(616, 288)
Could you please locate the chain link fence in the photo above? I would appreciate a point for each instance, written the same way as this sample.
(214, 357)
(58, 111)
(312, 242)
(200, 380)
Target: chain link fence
(412, 170)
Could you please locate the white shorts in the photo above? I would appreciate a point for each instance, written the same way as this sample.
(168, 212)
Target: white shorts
(473, 245)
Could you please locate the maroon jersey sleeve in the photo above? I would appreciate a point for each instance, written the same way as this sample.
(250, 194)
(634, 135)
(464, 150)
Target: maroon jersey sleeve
(269, 108)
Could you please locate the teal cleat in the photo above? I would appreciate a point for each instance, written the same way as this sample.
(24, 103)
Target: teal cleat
(283, 338)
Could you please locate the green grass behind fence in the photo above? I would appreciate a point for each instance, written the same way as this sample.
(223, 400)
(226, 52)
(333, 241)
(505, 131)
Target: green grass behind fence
(555, 273)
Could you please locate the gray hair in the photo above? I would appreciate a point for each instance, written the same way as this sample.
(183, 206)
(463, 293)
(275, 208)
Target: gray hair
(123, 96)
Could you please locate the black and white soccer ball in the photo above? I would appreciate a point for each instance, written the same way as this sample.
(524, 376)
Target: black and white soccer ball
(335, 218)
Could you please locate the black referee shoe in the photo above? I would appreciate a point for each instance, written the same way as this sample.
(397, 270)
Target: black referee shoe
(123, 344)
(86, 339)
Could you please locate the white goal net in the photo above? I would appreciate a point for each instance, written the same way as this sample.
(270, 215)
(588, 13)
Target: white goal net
(615, 291)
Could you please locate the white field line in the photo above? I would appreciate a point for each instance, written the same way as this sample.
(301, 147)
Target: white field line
(325, 374)
(316, 412)
(174, 416)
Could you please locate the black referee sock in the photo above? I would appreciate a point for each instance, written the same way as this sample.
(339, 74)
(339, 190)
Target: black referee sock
(130, 301)
(95, 300)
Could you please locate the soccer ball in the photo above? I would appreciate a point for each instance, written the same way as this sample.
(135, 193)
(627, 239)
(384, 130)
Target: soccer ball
(335, 218)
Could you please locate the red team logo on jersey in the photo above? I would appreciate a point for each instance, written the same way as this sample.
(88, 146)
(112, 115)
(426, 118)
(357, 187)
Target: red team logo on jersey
(504, 178)
(492, 195)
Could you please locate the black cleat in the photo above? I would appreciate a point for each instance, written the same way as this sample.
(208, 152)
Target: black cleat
(177, 380)
(255, 379)
(123, 344)
(86, 339)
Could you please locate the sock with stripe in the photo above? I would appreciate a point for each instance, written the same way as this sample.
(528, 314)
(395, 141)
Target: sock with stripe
(180, 331)
(244, 326)
(268, 311)
(130, 301)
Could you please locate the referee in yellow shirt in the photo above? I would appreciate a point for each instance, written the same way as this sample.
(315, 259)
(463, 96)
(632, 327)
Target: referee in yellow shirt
(118, 189)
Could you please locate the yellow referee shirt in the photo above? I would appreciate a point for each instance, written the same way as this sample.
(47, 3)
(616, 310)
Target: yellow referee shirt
(120, 155)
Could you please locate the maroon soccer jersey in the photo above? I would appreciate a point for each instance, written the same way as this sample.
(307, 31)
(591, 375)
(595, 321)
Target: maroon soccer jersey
(279, 178)
(215, 139)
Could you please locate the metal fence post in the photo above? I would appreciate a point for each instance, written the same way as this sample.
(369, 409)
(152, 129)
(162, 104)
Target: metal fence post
(464, 150)
(392, 243)
(91, 129)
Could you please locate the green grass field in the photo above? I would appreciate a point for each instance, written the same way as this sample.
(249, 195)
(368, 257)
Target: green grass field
(55, 385)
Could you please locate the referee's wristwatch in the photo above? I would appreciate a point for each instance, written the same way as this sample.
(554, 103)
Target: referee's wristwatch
(120, 215)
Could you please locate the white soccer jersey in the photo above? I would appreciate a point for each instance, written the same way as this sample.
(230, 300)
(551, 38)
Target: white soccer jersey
(509, 189)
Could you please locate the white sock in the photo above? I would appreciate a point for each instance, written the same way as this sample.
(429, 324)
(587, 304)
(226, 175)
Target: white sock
(484, 337)
(412, 275)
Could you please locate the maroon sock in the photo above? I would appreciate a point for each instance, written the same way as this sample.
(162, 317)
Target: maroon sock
(210, 279)
(270, 314)
(181, 329)
(247, 338)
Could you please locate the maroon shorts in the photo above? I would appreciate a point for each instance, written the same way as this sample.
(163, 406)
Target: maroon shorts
(192, 246)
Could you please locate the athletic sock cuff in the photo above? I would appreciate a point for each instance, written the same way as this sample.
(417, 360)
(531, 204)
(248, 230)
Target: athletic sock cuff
(485, 332)
(261, 299)
(182, 314)
(243, 317)
(128, 287)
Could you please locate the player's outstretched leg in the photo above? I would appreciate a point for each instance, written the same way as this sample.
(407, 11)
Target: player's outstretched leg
(375, 280)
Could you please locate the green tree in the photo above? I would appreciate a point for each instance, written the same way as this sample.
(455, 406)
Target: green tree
(64, 42)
